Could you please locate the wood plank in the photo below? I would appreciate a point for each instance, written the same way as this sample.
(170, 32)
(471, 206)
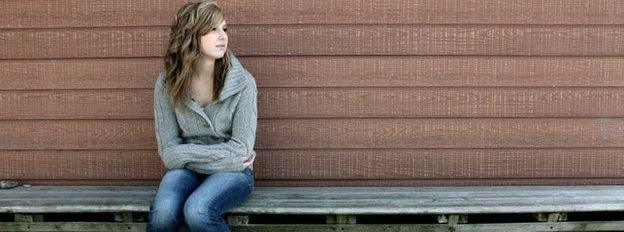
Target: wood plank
(80, 73)
(441, 133)
(350, 71)
(369, 164)
(78, 13)
(74, 226)
(76, 204)
(338, 203)
(427, 207)
(349, 200)
(440, 102)
(330, 193)
(431, 40)
(78, 134)
(364, 133)
(443, 194)
(83, 43)
(77, 104)
(303, 205)
(441, 182)
(360, 183)
(422, 207)
(340, 71)
(58, 194)
(98, 182)
(483, 227)
(378, 102)
(438, 163)
(81, 164)
(500, 40)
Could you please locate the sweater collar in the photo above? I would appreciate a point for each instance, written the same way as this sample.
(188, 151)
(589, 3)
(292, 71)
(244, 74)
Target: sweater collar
(235, 81)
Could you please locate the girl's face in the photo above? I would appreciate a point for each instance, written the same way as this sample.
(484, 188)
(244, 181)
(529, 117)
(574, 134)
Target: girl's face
(214, 44)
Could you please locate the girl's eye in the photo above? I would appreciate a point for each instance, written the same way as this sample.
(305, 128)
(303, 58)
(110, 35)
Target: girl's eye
(225, 29)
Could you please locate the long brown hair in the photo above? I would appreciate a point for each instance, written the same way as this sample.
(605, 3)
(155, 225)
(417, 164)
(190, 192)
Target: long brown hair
(192, 21)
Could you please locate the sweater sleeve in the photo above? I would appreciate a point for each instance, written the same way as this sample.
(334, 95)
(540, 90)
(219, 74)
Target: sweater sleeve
(171, 149)
(241, 144)
(166, 126)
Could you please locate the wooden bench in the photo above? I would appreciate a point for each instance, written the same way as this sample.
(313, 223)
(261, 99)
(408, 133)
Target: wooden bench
(340, 207)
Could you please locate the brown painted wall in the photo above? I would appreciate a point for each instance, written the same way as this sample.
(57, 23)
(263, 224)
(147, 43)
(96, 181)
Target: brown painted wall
(351, 92)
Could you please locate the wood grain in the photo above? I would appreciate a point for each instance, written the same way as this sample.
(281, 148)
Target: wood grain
(351, 164)
(441, 133)
(334, 133)
(421, 40)
(101, 13)
(362, 183)
(63, 74)
(339, 71)
(354, 102)
(341, 201)
(351, 92)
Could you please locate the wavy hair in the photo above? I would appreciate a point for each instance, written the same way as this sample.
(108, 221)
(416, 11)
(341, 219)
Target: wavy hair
(193, 20)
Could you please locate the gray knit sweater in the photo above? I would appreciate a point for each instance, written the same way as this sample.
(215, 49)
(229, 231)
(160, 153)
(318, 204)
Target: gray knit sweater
(216, 138)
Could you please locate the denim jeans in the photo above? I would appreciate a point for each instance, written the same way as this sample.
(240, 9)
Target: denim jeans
(197, 199)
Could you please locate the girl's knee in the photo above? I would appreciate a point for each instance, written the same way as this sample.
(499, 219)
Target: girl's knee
(162, 217)
(202, 216)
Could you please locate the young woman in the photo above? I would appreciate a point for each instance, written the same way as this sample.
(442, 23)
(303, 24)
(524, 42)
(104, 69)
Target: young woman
(205, 116)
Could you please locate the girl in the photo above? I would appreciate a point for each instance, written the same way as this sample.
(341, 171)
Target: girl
(205, 117)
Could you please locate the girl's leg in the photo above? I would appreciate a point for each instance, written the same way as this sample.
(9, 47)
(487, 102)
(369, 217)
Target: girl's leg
(218, 193)
(166, 210)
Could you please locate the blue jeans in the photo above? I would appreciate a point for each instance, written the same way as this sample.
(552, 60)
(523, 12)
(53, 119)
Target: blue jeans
(197, 199)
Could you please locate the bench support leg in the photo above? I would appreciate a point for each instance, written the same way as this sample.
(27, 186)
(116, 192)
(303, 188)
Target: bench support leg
(28, 217)
(452, 219)
(551, 217)
(341, 219)
(237, 220)
(124, 217)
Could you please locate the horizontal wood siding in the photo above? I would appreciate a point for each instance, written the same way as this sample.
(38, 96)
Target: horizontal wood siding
(102, 13)
(333, 133)
(351, 92)
(329, 40)
(342, 102)
(311, 164)
(339, 71)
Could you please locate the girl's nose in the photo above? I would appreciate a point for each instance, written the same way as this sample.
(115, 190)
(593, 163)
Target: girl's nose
(222, 34)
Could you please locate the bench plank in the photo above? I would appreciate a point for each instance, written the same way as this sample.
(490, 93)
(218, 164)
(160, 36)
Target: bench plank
(333, 200)
(73, 226)
(492, 227)
(489, 227)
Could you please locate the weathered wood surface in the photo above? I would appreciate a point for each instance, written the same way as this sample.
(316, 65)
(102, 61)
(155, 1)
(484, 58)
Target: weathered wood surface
(332, 200)
(494, 227)
(497, 227)
(72, 226)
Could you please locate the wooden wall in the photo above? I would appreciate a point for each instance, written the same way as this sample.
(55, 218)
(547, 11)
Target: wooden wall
(351, 92)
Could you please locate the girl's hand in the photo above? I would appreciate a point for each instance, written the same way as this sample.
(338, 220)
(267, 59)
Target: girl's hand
(250, 160)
